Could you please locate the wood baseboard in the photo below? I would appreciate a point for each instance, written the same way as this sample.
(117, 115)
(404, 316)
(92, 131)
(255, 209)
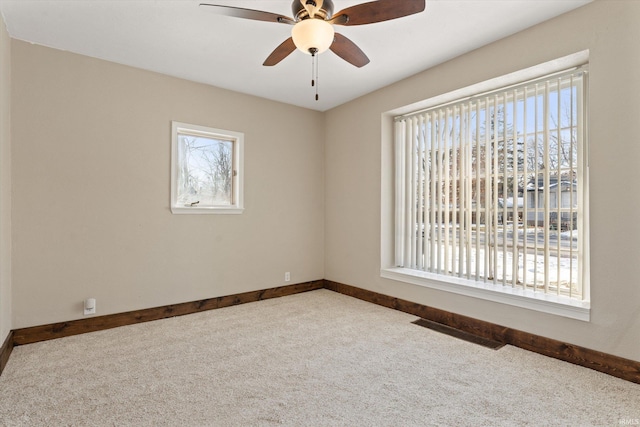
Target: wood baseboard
(98, 323)
(5, 351)
(612, 365)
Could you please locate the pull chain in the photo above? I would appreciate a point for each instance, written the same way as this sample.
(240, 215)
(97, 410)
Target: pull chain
(314, 69)
(317, 75)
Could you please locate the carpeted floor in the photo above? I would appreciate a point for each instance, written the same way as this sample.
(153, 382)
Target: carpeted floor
(311, 359)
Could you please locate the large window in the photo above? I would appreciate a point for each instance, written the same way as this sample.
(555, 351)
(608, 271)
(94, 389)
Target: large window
(206, 175)
(491, 190)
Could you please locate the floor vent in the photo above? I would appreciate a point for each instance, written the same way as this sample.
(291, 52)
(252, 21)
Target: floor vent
(457, 333)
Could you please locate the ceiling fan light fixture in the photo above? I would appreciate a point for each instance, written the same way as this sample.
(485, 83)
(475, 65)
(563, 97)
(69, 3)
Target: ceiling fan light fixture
(312, 35)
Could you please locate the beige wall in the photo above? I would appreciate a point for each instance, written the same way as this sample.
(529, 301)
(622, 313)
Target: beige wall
(5, 183)
(611, 31)
(91, 163)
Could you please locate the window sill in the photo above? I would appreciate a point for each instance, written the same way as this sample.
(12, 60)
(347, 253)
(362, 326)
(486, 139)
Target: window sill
(201, 210)
(551, 304)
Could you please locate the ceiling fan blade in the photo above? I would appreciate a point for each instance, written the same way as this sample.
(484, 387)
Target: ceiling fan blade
(377, 11)
(347, 50)
(281, 52)
(256, 15)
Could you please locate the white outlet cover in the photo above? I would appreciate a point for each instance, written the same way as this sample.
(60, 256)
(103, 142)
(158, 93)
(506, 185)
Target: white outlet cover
(89, 306)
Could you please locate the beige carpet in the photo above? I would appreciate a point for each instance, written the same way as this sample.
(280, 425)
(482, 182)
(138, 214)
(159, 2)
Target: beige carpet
(312, 359)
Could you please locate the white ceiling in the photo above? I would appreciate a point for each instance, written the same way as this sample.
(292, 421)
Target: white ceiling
(179, 38)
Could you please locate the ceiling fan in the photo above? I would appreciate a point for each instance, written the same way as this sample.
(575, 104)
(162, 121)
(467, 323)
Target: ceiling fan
(313, 22)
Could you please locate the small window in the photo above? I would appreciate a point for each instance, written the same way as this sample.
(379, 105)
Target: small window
(206, 170)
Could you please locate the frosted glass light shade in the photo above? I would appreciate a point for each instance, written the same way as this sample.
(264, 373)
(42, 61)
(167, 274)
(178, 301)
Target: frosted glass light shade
(312, 33)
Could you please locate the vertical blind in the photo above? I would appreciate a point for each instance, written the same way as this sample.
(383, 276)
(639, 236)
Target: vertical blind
(492, 188)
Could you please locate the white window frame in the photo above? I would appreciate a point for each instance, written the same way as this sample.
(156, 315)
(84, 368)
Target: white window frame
(543, 302)
(237, 138)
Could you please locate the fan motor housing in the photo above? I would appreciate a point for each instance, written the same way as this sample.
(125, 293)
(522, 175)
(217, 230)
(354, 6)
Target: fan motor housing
(300, 13)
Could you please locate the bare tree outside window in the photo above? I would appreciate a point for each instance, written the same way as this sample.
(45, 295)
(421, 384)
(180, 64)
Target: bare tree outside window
(206, 172)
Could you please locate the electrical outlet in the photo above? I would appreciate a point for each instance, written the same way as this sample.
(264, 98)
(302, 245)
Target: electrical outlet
(287, 276)
(89, 306)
